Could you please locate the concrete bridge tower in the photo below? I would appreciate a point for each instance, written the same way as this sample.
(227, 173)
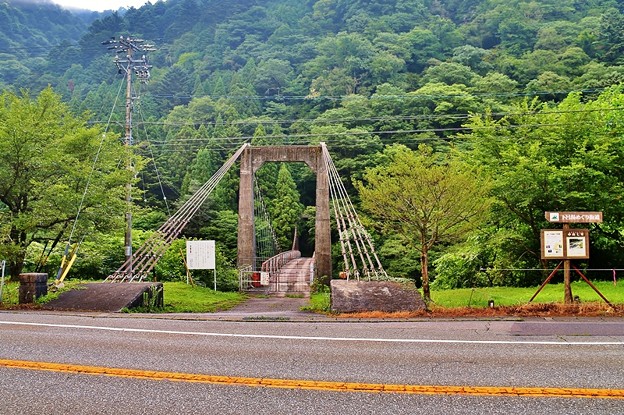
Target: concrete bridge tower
(252, 159)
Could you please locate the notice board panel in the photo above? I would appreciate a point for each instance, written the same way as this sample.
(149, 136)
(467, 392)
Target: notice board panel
(565, 244)
(200, 254)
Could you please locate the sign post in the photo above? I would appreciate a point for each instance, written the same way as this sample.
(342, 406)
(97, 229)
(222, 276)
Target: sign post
(2, 280)
(567, 244)
(201, 255)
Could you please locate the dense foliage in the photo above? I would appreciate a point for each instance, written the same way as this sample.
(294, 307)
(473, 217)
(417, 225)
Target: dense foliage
(425, 201)
(525, 90)
(46, 162)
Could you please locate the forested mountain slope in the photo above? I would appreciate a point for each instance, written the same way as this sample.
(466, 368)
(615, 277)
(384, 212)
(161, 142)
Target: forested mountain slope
(29, 33)
(334, 47)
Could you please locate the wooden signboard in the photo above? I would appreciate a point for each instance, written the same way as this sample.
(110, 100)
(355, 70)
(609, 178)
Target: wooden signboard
(574, 217)
(565, 243)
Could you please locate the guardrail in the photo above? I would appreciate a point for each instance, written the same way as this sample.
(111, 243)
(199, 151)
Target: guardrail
(275, 263)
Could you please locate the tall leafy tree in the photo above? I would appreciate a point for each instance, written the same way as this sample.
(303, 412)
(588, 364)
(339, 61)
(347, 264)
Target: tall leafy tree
(565, 157)
(46, 160)
(423, 200)
(286, 209)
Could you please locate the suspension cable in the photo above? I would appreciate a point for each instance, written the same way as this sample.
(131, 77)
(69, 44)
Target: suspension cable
(146, 257)
(343, 207)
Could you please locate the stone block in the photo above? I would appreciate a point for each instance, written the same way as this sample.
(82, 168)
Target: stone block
(387, 296)
(32, 286)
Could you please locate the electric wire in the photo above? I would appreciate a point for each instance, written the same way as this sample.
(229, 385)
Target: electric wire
(423, 117)
(87, 185)
(153, 159)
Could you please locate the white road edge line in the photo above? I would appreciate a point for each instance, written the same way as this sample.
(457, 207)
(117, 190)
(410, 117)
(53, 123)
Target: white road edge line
(336, 339)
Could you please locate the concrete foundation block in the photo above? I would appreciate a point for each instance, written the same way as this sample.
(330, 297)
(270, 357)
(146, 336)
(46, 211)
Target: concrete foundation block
(32, 286)
(386, 296)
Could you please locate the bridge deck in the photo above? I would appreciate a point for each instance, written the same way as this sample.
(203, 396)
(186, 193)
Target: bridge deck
(294, 277)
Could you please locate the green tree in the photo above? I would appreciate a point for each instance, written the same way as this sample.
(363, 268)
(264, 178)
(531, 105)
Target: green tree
(286, 209)
(424, 200)
(449, 73)
(611, 36)
(46, 159)
(564, 157)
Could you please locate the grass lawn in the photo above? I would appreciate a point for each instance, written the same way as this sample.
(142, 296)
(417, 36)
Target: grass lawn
(511, 296)
(183, 298)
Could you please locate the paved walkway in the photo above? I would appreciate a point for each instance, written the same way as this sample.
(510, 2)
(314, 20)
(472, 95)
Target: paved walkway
(269, 308)
(294, 277)
(292, 293)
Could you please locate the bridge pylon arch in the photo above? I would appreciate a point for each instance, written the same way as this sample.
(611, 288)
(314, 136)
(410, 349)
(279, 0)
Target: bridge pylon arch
(251, 160)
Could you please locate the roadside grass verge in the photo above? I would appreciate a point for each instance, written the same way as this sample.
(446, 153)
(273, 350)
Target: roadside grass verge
(10, 293)
(183, 298)
(508, 301)
(319, 303)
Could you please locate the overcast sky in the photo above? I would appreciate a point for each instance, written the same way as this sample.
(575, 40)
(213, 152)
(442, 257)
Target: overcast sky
(100, 5)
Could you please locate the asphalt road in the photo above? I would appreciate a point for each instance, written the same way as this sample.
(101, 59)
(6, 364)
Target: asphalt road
(574, 354)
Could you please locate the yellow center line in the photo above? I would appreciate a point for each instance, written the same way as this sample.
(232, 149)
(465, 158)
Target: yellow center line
(317, 385)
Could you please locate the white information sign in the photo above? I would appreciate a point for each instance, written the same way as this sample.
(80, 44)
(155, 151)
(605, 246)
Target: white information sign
(553, 244)
(200, 254)
(264, 278)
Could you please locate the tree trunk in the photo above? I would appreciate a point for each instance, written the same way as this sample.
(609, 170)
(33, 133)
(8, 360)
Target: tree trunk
(16, 251)
(15, 268)
(424, 267)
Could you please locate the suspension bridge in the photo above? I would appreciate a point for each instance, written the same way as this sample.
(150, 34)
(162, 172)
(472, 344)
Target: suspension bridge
(285, 271)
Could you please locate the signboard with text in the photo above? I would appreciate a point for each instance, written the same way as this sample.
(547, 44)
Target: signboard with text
(574, 217)
(565, 243)
(200, 254)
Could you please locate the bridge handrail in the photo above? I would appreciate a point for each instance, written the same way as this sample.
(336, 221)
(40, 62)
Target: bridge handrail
(275, 263)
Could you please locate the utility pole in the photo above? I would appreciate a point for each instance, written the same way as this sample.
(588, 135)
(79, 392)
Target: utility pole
(128, 64)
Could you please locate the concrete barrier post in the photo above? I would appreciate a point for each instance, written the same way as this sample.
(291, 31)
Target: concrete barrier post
(32, 286)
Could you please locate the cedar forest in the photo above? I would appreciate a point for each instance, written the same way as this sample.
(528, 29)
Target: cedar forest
(525, 93)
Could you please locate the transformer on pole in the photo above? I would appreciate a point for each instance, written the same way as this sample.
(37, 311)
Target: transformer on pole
(128, 64)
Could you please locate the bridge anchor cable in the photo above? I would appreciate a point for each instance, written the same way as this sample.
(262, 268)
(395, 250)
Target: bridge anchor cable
(144, 259)
(359, 255)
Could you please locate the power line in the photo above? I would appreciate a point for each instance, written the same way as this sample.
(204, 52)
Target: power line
(374, 96)
(359, 133)
(330, 121)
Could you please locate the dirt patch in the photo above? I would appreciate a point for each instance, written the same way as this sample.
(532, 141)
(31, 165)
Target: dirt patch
(527, 310)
